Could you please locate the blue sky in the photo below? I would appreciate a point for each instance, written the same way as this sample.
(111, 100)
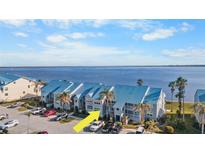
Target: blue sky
(101, 42)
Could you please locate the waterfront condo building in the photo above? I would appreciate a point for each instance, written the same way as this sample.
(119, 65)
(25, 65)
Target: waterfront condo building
(86, 97)
(14, 87)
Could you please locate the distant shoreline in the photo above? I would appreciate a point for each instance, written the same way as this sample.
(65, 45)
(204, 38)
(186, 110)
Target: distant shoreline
(103, 66)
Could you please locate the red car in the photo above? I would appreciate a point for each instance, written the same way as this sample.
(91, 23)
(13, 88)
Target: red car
(50, 113)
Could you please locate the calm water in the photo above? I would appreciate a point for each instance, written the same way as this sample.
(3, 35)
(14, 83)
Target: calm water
(152, 76)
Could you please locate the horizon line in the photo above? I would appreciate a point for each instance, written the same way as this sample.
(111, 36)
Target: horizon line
(190, 65)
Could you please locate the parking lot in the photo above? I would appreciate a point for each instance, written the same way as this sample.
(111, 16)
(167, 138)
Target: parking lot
(38, 123)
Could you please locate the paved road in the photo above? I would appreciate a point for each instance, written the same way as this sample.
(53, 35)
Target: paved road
(36, 123)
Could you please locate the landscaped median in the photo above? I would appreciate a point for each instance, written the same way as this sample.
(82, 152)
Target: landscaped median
(22, 109)
(67, 120)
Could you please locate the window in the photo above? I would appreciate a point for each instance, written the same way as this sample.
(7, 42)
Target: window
(6, 94)
(24, 92)
(14, 82)
(117, 109)
(6, 88)
(89, 107)
(29, 86)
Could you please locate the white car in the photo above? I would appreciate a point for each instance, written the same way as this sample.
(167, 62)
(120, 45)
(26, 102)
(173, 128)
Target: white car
(140, 130)
(96, 125)
(38, 111)
(11, 123)
(2, 116)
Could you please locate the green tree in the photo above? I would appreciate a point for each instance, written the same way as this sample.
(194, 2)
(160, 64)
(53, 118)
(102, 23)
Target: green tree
(109, 98)
(64, 98)
(140, 82)
(142, 108)
(181, 85)
(172, 86)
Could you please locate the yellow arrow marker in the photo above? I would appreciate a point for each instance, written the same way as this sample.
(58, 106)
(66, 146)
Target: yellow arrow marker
(93, 115)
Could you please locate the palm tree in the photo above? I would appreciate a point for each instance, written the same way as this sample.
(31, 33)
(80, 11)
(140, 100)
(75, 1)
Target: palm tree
(140, 82)
(64, 98)
(109, 97)
(142, 108)
(199, 110)
(181, 84)
(172, 86)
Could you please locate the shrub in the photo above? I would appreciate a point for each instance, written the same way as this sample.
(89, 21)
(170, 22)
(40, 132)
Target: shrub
(168, 129)
(180, 124)
(129, 126)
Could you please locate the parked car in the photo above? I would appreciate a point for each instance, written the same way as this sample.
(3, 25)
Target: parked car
(140, 130)
(50, 113)
(116, 129)
(42, 132)
(11, 123)
(3, 116)
(2, 127)
(3, 131)
(107, 127)
(59, 117)
(12, 106)
(38, 111)
(96, 125)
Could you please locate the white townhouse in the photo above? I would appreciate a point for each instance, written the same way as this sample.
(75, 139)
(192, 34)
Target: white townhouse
(72, 88)
(54, 88)
(86, 97)
(127, 97)
(94, 100)
(14, 87)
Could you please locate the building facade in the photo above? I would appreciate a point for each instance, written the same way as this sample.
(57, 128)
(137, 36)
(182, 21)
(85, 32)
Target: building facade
(14, 87)
(129, 99)
(86, 97)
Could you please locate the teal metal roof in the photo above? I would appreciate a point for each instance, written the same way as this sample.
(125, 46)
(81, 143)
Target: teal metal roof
(152, 96)
(128, 94)
(64, 86)
(89, 89)
(101, 89)
(200, 94)
(73, 86)
(53, 85)
(7, 78)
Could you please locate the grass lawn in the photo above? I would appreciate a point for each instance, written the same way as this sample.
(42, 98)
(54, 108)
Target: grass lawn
(130, 126)
(22, 109)
(188, 107)
(63, 121)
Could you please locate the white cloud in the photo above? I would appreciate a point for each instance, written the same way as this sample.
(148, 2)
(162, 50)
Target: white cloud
(76, 53)
(186, 27)
(18, 22)
(84, 35)
(21, 34)
(145, 25)
(61, 23)
(183, 53)
(56, 38)
(97, 23)
(159, 34)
